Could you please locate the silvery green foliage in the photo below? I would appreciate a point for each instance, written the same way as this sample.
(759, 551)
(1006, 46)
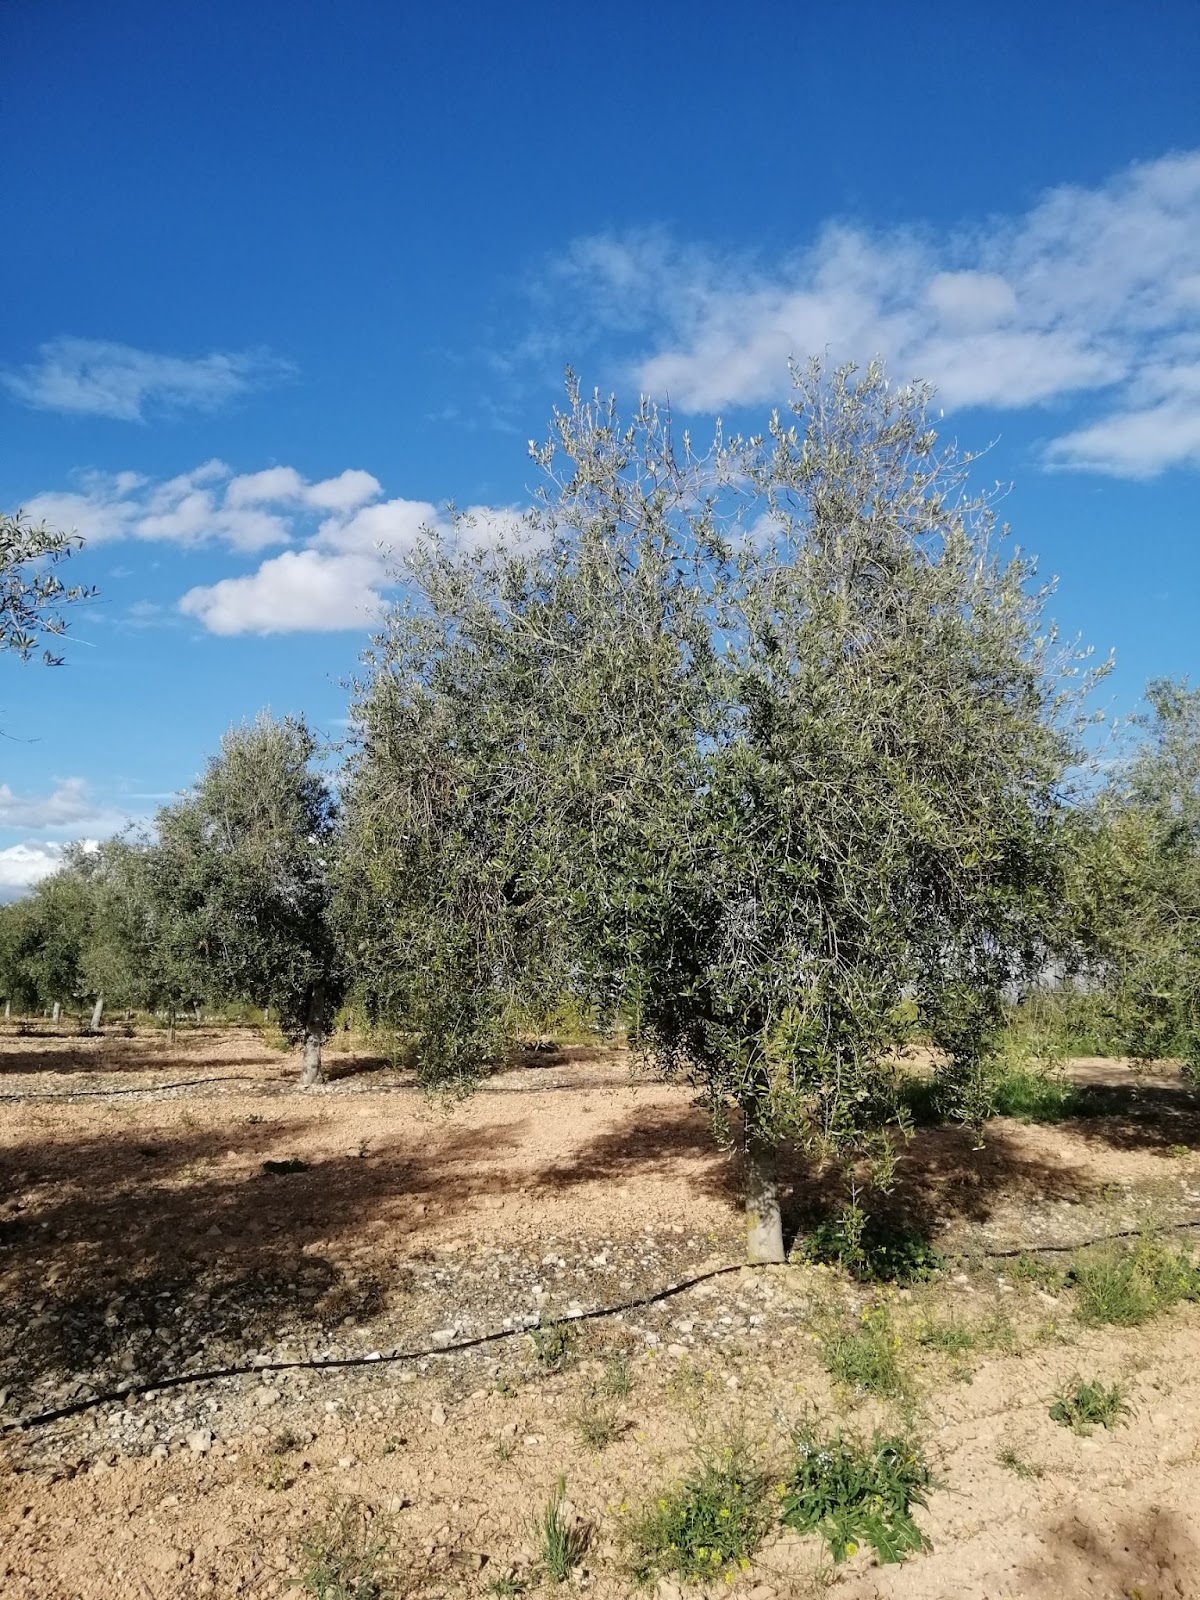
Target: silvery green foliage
(31, 592)
(751, 745)
(238, 879)
(1141, 885)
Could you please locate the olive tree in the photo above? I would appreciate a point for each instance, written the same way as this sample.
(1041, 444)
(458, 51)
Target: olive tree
(1142, 890)
(238, 882)
(751, 744)
(32, 594)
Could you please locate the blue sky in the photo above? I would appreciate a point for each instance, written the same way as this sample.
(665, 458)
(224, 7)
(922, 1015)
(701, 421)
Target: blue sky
(282, 279)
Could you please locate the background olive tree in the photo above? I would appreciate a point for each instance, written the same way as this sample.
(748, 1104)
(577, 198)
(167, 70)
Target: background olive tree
(237, 878)
(1139, 890)
(751, 745)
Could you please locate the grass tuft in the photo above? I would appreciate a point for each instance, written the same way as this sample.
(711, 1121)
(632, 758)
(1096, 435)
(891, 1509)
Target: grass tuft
(347, 1556)
(618, 1377)
(1082, 1406)
(561, 1539)
(854, 1492)
(1014, 1462)
(709, 1526)
(866, 1358)
(1126, 1287)
(597, 1425)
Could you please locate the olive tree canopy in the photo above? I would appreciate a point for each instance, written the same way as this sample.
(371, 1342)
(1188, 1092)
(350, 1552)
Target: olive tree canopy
(752, 744)
(238, 880)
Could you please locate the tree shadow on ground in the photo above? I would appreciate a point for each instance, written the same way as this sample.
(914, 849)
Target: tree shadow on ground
(148, 1249)
(113, 1054)
(1147, 1114)
(1150, 1553)
(942, 1177)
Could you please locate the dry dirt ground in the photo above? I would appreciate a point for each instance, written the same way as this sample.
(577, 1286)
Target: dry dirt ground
(174, 1211)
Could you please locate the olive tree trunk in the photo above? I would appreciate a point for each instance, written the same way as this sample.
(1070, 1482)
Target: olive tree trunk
(314, 1034)
(764, 1221)
(97, 1014)
(56, 1013)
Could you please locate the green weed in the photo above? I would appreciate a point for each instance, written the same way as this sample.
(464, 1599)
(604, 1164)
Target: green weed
(866, 1358)
(618, 1377)
(707, 1527)
(951, 1337)
(561, 1539)
(854, 1492)
(1034, 1094)
(506, 1587)
(1126, 1287)
(348, 1556)
(552, 1344)
(597, 1425)
(1082, 1406)
(873, 1249)
(1033, 1270)
(1016, 1463)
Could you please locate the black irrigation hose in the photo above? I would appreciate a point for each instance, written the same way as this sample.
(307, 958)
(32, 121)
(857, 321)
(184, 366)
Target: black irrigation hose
(142, 1088)
(179, 1380)
(332, 1363)
(1083, 1244)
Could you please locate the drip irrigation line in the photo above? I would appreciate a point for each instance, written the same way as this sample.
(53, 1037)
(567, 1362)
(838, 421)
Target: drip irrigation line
(333, 1363)
(1083, 1244)
(179, 1380)
(151, 1088)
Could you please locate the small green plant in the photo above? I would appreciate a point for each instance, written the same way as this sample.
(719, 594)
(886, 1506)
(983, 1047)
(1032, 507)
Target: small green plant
(618, 1377)
(951, 1337)
(1033, 1270)
(1014, 1462)
(348, 1556)
(561, 1539)
(709, 1525)
(866, 1358)
(1081, 1406)
(853, 1492)
(552, 1344)
(1128, 1287)
(1034, 1094)
(285, 1441)
(507, 1586)
(597, 1425)
(873, 1249)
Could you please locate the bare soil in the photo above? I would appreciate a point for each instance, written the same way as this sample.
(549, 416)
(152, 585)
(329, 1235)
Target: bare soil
(168, 1211)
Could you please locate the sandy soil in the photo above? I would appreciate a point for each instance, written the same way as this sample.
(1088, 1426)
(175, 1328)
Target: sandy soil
(229, 1220)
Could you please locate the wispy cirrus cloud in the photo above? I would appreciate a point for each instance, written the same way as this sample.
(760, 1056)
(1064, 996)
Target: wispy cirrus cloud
(1092, 297)
(100, 378)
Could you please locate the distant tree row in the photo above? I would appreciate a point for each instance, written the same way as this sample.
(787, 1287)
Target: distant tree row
(765, 751)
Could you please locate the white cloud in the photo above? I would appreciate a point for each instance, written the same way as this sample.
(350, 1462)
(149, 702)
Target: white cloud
(208, 505)
(96, 377)
(298, 591)
(23, 865)
(340, 580)
(1093, 295)
(347, 540)
(68, 803)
